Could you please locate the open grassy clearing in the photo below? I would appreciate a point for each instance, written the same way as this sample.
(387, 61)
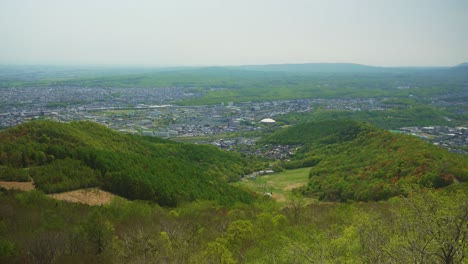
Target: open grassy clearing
(279, 184)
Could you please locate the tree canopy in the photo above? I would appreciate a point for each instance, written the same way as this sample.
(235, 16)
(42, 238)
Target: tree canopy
(357, 161)
(62, 157)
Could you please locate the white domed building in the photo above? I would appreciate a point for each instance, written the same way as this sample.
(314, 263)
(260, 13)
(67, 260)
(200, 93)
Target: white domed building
(267, 121)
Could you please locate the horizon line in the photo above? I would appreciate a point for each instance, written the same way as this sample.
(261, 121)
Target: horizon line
(103, 65)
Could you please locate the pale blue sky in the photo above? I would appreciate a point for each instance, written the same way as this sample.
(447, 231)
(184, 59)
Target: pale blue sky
(219, 32)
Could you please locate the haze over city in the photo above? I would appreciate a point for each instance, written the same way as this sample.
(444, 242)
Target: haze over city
(213, 32)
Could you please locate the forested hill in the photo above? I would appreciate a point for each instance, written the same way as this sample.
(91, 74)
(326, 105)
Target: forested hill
(62, 157)
(323, 132)
(356, 161)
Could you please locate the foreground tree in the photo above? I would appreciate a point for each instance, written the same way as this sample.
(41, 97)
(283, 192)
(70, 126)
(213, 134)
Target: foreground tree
(431, 227)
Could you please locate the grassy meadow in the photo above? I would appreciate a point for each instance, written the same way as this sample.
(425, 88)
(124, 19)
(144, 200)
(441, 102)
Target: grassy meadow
(279, 184)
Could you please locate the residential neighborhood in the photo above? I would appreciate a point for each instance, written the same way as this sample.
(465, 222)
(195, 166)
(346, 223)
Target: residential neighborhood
(154, 112)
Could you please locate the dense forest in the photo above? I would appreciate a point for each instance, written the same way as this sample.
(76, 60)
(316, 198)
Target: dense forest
(423, 227)
(357, 161)
(349, 161)
(61, 157)
(199, 217)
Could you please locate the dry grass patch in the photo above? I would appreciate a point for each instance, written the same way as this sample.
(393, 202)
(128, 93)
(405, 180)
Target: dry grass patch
(92, 196)
(23, 186)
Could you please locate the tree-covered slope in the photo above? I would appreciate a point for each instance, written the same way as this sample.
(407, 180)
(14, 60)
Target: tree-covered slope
(356, 161)
(62, 157)
(323, 132)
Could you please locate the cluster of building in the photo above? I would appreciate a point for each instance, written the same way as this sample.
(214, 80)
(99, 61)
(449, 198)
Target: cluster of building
(255, 174)
(147, 111)
(453, 138)
(152, 112)
(353, 104)
(249, 146)
(20, 104)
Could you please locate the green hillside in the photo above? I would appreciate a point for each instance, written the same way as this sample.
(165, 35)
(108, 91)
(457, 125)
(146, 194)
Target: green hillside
(356, 161)
(323, 132)
(61, 157)
(406, 113)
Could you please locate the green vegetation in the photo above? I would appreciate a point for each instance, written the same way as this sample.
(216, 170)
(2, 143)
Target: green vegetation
(279, 184)
(356, 161)
(11, 174)
(424, 227)
(316, 133)
(62, 157)
(406, 113)
(185, 203)
(212, 221)
(63, 175)
(349, 161)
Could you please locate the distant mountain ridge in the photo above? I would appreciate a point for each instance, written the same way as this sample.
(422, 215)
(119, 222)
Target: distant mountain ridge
(459, 70)
(37, 72)
(465, 64)
(313, 67)
(345, 69)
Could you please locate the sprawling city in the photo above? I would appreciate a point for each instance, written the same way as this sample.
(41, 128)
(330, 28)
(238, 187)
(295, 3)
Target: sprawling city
(154, 112)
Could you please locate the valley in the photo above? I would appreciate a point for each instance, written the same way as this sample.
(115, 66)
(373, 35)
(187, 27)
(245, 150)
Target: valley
(234, 132)
(229, 165)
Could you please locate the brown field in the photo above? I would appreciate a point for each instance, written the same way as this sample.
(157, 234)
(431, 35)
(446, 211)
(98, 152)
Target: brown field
(92, 196)
(23, 186)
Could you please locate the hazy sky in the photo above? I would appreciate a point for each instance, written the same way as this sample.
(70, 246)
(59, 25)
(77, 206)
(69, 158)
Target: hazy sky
(233, 32)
